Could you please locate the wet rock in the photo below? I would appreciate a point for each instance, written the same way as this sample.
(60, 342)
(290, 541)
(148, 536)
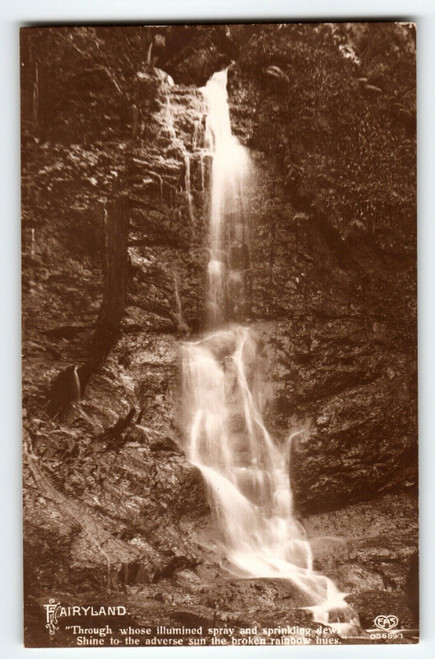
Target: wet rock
(194, 53)
(373, 603)
(253, 595)
(328, 289)
(369, 548)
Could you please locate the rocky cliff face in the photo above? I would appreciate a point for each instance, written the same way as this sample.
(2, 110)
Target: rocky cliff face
(112, 260)
(114, 224)
(333, 257)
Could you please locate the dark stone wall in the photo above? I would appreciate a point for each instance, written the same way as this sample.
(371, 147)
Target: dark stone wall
(113, 263)
(329, 114)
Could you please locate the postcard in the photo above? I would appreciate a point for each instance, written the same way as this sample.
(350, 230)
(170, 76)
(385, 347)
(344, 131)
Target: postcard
(219, 335)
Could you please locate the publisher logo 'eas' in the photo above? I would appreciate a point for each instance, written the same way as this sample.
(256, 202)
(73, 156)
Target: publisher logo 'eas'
(386, 623)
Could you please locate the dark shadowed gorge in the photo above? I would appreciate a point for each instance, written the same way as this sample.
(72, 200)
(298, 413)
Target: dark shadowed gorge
(115, 204)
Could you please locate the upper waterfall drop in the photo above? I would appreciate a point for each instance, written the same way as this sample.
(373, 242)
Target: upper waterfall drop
(227, 222)
(246, 471)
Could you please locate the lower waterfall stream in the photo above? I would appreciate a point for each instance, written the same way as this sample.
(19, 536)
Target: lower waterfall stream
(246, 471)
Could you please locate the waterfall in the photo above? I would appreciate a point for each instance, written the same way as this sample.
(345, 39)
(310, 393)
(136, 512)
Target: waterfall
(246, 471)
(77, 394)
(227, 227)
(187, 186)
(202, 169)
(149, 52)
(169, 118)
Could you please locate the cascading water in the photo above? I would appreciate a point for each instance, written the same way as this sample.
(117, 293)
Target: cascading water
(187, 186)
(230, 171)
(247, 473)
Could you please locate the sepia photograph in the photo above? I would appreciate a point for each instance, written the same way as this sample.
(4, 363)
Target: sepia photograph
(219, 334)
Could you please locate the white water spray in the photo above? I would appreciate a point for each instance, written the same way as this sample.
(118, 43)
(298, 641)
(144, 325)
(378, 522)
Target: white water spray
(169, 119)
(229, 174)
(246, 471)
(77, 387)
(187, 186)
